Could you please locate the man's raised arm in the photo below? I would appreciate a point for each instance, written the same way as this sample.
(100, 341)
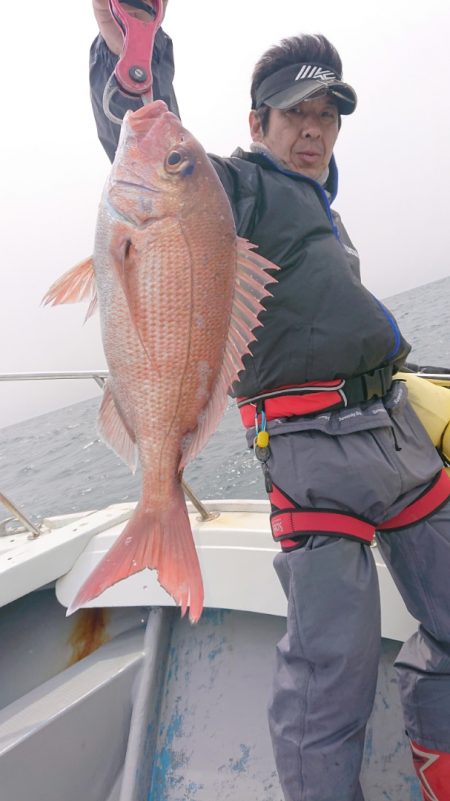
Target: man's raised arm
(103, 58)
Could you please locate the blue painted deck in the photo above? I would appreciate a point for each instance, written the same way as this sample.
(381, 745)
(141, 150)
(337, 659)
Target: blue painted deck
(196, 696)
(211, 740)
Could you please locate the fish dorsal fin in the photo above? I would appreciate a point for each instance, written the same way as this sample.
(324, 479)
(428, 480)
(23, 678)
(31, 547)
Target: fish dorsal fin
(75, 285)
(250, 289)
(115, 431)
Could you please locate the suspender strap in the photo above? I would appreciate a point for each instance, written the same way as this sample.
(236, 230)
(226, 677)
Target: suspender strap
(435, 496)
(291, 524)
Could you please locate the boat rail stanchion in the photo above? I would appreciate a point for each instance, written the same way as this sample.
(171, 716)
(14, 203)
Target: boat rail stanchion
(100, 380)
(11, 507)
(204, 514)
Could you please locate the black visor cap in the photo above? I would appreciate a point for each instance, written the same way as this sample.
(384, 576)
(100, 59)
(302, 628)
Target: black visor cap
(291, 85)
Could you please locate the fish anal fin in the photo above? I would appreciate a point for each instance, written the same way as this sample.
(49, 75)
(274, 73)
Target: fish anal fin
(75, 285)
(250, 289)
(162, 541)
(115, 431)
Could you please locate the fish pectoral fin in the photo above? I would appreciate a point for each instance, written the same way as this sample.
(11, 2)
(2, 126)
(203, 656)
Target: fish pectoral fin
(132, 280)
(250, 289)
(75, 285)
(115, 431)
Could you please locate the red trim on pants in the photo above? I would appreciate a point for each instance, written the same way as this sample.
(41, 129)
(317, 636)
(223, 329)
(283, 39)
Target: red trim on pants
(288, 518)
(433, 769)
(431, 499)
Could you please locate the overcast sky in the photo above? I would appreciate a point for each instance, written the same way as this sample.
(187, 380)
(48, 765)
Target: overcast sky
(393, 154)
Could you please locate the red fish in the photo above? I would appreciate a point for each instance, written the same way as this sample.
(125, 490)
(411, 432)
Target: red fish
(179, 294)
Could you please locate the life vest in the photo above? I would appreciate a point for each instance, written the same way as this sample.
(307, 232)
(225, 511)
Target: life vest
(316, 396)
(319, 321)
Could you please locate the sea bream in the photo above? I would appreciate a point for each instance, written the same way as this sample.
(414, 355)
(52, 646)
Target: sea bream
(178, 294)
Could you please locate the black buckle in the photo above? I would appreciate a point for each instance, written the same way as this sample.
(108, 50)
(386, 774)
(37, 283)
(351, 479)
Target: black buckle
(377, 382)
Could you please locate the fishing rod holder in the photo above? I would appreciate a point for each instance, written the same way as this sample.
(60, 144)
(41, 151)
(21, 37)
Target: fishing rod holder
(201, 508)
(17, 515)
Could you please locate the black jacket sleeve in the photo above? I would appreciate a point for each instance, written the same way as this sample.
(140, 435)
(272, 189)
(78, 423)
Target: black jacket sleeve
(101, 65)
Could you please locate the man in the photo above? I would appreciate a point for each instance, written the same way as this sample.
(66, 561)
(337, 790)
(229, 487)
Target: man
(345, 445)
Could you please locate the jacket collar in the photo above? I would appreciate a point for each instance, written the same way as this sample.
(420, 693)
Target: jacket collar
(266, 162)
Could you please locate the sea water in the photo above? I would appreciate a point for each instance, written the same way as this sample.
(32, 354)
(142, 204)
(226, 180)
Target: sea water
(56, 463)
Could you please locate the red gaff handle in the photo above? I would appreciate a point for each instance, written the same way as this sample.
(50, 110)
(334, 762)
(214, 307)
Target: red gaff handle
(133, 70)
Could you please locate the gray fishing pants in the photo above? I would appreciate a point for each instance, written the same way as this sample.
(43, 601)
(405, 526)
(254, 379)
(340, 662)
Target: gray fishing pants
(327, 662)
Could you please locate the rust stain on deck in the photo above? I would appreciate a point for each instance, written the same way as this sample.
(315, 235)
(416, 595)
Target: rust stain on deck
(89, 632)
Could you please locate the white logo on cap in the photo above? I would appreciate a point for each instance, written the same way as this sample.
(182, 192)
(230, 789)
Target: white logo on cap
(310, 71)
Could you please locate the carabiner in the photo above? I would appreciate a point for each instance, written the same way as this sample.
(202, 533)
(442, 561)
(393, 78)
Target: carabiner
(259, 410)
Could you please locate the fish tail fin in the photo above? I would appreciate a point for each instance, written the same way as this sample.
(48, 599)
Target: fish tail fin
(160, 541)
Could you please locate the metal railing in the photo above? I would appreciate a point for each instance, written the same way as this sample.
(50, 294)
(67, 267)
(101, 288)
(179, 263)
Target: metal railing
(99, 376)
(445, 377)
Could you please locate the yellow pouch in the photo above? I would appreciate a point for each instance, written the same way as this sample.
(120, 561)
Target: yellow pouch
(445, 447)
(431, 403)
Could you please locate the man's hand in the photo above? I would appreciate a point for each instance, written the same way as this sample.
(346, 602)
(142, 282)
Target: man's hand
(108, 27)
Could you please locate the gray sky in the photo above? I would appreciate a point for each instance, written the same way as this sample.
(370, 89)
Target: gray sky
(393, 154)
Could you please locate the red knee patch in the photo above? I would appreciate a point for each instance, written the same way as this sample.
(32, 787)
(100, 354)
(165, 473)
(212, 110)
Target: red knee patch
(433, 770)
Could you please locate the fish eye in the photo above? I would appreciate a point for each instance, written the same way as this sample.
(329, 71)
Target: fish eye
(177, 161)
(174, 158)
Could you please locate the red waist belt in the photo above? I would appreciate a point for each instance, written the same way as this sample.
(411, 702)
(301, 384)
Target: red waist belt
(289, 519)
(310, 398)
(316, 396)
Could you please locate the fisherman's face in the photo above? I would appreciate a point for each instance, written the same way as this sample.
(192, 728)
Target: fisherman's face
(303, 136)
